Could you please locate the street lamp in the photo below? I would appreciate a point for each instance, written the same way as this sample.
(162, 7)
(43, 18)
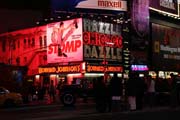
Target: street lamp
(105, 61)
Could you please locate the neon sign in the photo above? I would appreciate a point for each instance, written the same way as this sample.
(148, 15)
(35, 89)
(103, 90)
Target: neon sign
(139, 68)
(60, 69)
(96, 68)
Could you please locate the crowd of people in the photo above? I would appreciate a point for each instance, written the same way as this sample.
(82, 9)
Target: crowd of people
(140, 92)
(133, 94)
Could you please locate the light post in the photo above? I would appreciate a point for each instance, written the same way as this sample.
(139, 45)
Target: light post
(105, 60)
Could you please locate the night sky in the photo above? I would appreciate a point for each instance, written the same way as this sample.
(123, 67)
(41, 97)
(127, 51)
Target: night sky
(25, 4)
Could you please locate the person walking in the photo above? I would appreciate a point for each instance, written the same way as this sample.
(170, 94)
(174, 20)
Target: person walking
(150, 91)
(175, 90)
(140, 90)
(131, 92)
(115, 93)
(52, 91)
(100, 95)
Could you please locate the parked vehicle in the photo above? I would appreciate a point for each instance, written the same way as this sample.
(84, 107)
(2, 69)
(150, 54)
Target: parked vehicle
(9, 99)
(70, 93)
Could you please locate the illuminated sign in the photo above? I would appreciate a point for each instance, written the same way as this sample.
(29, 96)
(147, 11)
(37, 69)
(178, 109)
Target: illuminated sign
(166, 47)
(60, 69)
(114, 5)
(118, 5)
(169, 6)
(139, 68)
(64, 41)
(101, 27)
(96, 68)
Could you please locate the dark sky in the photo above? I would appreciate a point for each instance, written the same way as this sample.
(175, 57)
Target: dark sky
(25, 4)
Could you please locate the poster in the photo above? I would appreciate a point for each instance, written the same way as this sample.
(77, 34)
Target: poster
(64, 41)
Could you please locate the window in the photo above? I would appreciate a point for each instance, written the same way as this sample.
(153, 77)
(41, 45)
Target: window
(13, 45)
(33, 42)
(18, 60)
(29, 42)
(45, 40)
(24, 43)
(25, 60)
(40, 41)
(18, 44)
(3, 46)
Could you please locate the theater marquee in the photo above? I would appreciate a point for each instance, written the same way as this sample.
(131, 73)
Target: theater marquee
(78, 69)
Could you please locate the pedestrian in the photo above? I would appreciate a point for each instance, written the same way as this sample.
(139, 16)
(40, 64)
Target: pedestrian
(131, 92)
(175, 90)
(115, 93)
(52, 91)
(85, 90)
(140, 90)
(101, 95)
(151, 91)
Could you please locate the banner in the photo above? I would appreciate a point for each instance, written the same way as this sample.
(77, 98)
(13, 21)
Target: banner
(64, 41)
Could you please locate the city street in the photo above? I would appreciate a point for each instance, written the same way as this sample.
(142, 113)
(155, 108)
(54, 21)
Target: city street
(85, 111)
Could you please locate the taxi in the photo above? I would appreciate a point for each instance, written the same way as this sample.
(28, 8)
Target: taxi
(9, 99)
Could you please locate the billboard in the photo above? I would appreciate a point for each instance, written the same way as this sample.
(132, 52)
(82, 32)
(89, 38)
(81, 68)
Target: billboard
(116, 5)
(102, 42)
(169, 6)
(139, 31)
(166, 47)
(64, 41)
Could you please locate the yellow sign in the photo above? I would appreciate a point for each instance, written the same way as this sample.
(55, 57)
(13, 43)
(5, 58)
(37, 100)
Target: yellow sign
(60, 69)
(95, 68)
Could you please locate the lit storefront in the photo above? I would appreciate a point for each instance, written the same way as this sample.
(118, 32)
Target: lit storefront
(84, 46)
(165, 38)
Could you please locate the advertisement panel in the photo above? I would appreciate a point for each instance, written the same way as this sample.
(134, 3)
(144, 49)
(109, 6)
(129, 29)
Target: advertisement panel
(64, 41)
(166, 47)
(169, 6)
(116, 5)
(102, 42)
(139, 37)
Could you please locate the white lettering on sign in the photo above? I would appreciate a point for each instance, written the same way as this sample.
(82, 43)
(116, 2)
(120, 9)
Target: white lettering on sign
(98, 52)
(169, 49)
(168, 4)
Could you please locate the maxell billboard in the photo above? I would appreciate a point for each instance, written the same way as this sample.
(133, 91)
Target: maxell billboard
(169, 6)
(116, 5)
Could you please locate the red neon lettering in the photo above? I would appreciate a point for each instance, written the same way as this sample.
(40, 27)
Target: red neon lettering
(71, 46)
(100, 39)
(52, 49)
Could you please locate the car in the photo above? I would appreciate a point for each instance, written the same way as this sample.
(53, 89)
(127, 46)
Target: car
(70, 93)
(9, 99)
